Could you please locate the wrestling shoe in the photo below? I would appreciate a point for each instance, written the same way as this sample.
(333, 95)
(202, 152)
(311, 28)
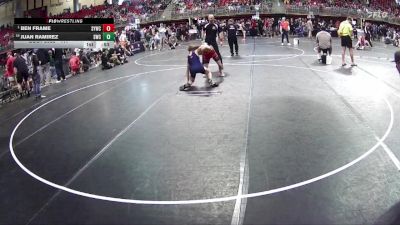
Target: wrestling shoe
(212, 83)
(184, 87)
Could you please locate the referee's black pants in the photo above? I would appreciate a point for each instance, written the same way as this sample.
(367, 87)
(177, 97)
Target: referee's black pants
(233, 41)
(214, 44)
(368, 38)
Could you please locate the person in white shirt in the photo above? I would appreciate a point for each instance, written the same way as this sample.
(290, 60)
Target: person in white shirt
(324, 42)
(173, 41)
(310, 28)
(157, 40)
(162, 34)
(123, 39)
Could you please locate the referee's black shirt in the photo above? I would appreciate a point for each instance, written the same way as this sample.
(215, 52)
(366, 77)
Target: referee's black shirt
(232, 29)
(211, 30)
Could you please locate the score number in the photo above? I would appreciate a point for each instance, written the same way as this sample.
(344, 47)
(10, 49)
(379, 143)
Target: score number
(108, 37)
(108, 32)
(108, 28)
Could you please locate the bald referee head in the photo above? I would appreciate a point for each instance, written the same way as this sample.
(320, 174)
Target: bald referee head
(211, 18)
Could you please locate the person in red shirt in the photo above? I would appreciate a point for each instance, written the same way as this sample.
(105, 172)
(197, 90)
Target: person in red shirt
(285, 28)
(9, 74)
(74, 64)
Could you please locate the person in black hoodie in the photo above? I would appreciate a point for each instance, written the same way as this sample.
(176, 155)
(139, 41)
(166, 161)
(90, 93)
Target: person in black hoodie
(85, 61)
(22, 71)
(113, 57)
(119, 51)
(368, 33)
(44, 67)
(58, 57)
(105, 64)
(134, 36)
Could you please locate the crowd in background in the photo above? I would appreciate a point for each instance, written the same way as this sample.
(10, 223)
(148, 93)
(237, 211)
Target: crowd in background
(390, 7)
(6, 33)
(130, 10)
(300, 26)
(121, 13)
(182, 6)
(52, 65)
(383, 6)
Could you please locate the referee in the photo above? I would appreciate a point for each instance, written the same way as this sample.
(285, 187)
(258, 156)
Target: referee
(232, 39)
(211, 32)
(344, 32)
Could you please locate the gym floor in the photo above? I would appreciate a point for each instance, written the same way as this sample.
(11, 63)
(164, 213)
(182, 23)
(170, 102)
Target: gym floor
(282, 140)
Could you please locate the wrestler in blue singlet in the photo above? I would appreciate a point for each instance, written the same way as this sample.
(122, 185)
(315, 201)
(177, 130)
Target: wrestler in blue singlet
(195, 66)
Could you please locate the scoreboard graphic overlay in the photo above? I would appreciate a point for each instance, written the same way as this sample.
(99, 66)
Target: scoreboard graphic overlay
(64, 33)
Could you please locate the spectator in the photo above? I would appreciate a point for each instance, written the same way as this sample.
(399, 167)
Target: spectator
(105, 65)
(310, 28)
(74, 64)
(242, 29)
(253, 28)
(285, 28)
(22, 71)
(368, 33)
(58, 57)
(44, 67)
(85, 61)
(173, 41)
(36, 77)
(52, 65)
(129, 50)
(113, 57)
(163, 36)
(149, 40)
(260, 27)
(324, 42)
(123, 40)
(119, 51)
(9, 74)
(157, 40)
(137, 36)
